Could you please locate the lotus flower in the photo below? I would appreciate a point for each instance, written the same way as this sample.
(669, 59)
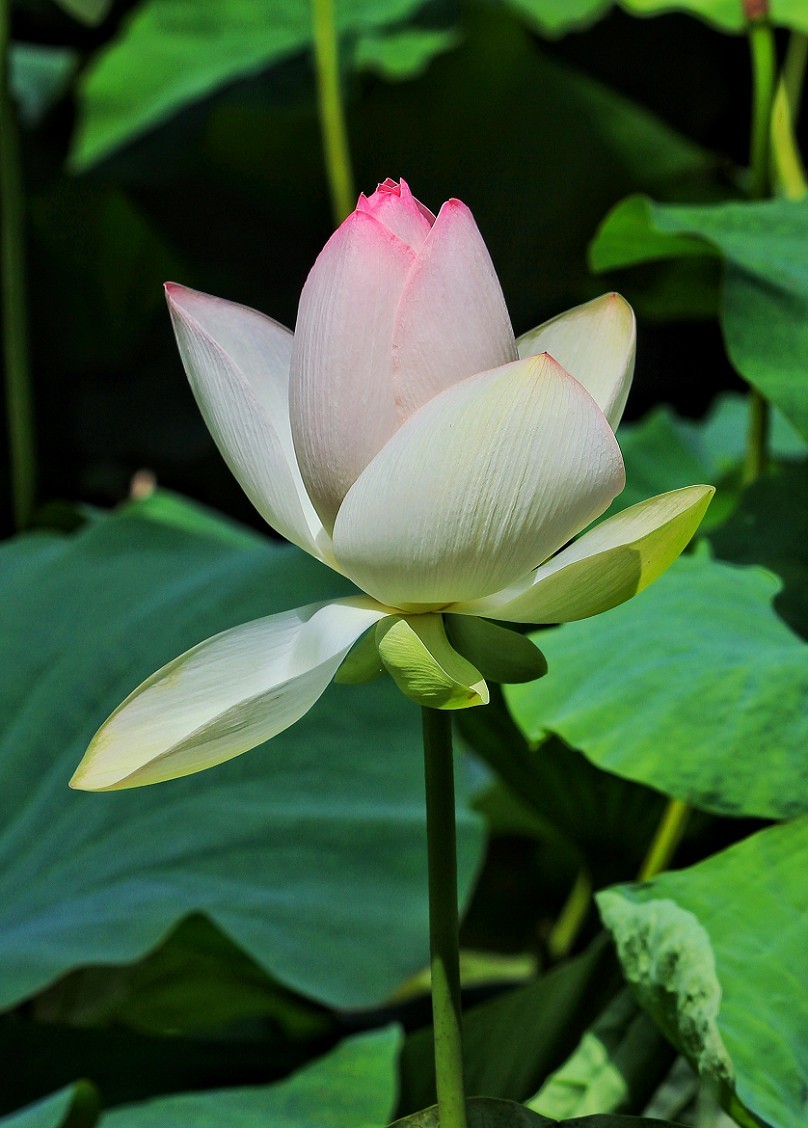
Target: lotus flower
(406, 439)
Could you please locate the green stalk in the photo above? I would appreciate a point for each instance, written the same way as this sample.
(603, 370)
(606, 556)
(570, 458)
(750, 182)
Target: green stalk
(757, 438)
(332, 113)
(443, 925)
(12, 269)
(764, 63)
(794, 71)
(571, 918)
(787, 165)
(666, 840)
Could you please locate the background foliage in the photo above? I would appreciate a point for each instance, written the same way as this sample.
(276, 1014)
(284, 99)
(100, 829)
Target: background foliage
(248, 946)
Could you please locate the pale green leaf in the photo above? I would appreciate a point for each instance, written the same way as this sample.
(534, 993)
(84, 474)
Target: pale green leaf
(614, 1068)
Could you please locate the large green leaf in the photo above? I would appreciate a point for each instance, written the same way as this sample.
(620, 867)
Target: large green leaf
(482, 1112)
(556, 795)
(403, 52)
(487, 1112)
(50, 1112)
(88, 11)
(718, 955)
(555, 17)
(765, 299)
(352, 1087)
(727, 15)
(39, 75)
(325, 823)
(170, 53)
(770, 527)
(664, 451)
(198, 982)
(689, 688)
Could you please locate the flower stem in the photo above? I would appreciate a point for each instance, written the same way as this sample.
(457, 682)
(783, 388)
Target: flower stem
(332, 114)
(12, 268)
(667, 838)
(443, 926)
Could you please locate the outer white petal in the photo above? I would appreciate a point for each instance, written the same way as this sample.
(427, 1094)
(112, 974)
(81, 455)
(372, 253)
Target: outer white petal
(596, 343)
(452, 321)
(224, 696)
(341, 395)
(237, 362)
(605, 567)
(478, 487)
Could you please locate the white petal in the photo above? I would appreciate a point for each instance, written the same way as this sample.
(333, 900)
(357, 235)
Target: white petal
(341, 394)
(478, 487)
(607, 566)
(452, 321)
(237, 362)
(595, 342)
(224, 696)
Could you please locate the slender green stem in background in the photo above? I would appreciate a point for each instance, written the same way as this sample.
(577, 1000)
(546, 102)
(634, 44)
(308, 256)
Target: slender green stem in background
(787, 165)
(794, 71)
(12, 268)
(332, 113)
(571, 918)
(666, 840)
(757, 438)
(443, 926)
(764, 64)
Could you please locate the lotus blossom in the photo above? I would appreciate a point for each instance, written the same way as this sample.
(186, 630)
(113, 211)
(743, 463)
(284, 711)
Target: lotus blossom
(405, 438)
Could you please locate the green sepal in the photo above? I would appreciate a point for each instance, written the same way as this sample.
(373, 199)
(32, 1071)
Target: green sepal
(424, 666)
(502, 655)
(362, 662)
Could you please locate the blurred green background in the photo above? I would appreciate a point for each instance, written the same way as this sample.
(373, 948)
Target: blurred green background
(179, 139)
